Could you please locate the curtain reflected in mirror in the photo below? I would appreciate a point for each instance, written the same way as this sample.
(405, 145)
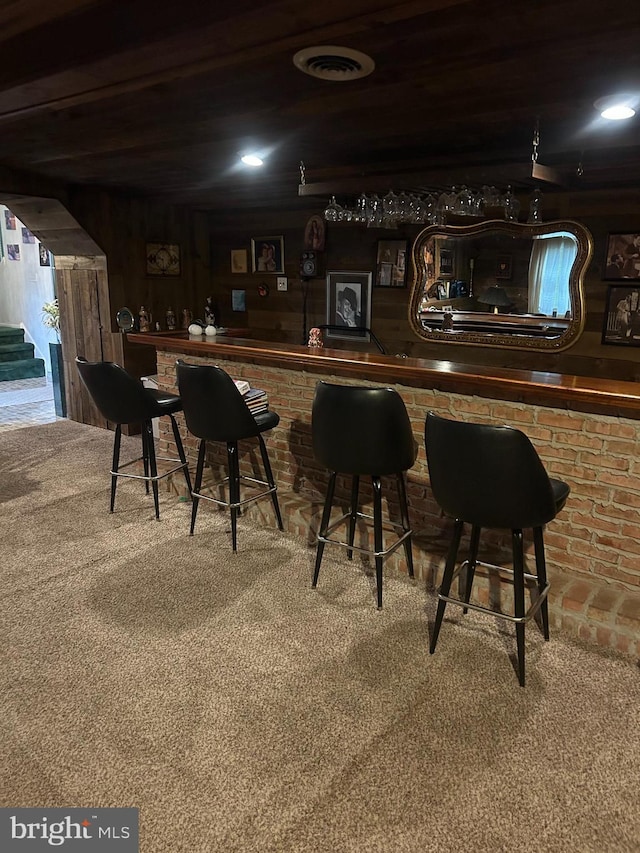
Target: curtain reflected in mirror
(501, 283)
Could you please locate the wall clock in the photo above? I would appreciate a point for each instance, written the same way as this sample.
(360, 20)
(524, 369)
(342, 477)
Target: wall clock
(163, 259)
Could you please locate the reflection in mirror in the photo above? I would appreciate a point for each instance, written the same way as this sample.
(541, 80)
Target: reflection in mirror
(501, 283)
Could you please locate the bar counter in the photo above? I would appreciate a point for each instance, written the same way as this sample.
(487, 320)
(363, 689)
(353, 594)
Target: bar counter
(586, 430)
(577, 393)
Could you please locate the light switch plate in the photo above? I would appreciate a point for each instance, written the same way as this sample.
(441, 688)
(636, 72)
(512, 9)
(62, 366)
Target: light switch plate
(282, 282)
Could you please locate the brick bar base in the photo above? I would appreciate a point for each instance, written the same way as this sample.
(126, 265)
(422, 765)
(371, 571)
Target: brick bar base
(593, 549)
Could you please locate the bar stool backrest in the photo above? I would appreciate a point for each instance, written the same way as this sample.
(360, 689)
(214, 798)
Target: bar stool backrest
(213, 407)
(361, 430)
(120, 397)
(487, 475)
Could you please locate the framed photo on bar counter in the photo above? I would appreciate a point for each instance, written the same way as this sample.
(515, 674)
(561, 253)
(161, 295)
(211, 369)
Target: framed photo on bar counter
(622, 315)
(349, 305)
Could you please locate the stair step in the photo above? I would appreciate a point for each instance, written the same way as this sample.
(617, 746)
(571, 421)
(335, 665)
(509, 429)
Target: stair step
(27, 368)
(11, 335)
(16, 352)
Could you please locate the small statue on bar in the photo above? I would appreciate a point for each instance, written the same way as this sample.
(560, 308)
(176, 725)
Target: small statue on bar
(145, 319)
(187, 318)
(315, 338)
(209, 314)
(171, 319)
(447, 321)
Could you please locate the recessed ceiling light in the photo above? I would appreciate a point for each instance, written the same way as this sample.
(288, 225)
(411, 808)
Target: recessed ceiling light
(252, 160)
(617, 107)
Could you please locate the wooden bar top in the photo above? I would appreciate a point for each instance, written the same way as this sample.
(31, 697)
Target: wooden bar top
(577, 393)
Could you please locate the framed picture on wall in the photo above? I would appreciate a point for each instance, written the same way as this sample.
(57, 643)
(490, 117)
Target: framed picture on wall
(45, 259)
(622, 315)
(623, 257)
(267, 255)
(504, 266)
(391, 263)
(163, 259)
(349, 305)
(239, 260)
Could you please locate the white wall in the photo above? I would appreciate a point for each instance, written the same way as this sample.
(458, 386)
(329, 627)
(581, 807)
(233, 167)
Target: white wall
(25, 286)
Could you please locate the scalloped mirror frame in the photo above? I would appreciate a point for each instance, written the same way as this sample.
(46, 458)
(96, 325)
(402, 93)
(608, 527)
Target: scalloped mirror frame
(496, 339)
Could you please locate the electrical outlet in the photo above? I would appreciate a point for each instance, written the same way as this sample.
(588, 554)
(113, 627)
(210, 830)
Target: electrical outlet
(282, 282)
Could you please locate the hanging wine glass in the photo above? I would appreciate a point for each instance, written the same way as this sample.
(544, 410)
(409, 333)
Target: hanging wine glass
(332, 211)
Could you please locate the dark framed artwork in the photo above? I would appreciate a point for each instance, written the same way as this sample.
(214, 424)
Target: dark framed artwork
(446, 262)
(45, 259)
(622, 260)
(314, 234)
(163, 259)
(267, 255)
(504, 266)
(391, 269)
(621, 325)
(349, 305)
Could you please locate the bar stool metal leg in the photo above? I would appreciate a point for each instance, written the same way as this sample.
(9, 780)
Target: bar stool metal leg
(324, 526)
(196, 489)
(404, 516)
(446, 581)
(518, 592)
(541, 571)
(471, 563)
(178, 440)
(270, 480)
(147, 427)
(353, 512)
(234, 490)
(377, 535)
(114, 465)
(145, 456)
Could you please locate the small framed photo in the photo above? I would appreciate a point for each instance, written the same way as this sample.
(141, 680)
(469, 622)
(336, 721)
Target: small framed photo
(13, 251)
(623, 257)
(391, 263)
(504, 266)
(9, 221)
(27, 236)
(267, 255)
(314, 234)
(45, 258)
(239, 300)
(163, 259)
(239, 260)
(349, 305)
(622, 315)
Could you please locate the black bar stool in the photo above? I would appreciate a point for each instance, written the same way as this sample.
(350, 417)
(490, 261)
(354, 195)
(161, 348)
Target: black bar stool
(363, 432)
(122, 399)
(216, 411)
(492, 477)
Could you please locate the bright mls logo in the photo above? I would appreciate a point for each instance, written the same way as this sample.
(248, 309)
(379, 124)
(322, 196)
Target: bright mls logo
(79, 830)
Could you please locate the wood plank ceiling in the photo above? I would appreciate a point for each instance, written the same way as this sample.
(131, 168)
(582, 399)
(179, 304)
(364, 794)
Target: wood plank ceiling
(159, 98)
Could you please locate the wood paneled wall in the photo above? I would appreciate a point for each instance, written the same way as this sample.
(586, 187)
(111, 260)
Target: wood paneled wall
(353, 247)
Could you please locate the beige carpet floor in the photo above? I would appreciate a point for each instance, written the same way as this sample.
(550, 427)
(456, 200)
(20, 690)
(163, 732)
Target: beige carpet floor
(241, 710)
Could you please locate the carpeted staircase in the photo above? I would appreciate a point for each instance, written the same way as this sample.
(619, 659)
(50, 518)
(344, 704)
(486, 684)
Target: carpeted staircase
(17, 360)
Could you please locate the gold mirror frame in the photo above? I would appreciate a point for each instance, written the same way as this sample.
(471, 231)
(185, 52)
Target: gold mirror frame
(519, 338)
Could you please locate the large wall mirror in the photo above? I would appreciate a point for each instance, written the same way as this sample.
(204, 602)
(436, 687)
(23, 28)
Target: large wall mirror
(500, 283)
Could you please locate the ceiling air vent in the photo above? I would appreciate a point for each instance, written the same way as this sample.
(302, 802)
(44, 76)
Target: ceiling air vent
(329, 62)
